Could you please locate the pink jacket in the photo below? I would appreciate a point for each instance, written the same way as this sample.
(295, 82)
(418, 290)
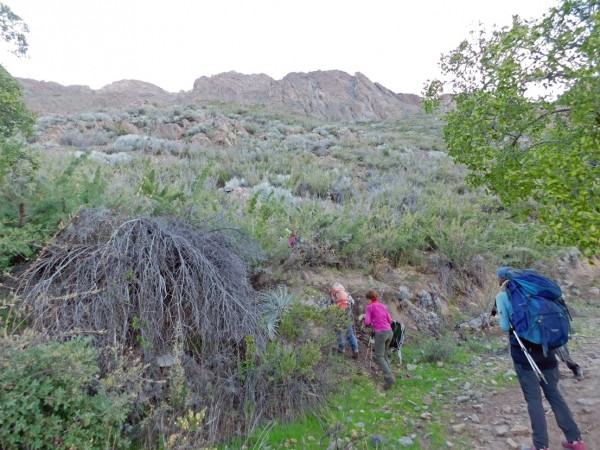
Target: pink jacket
(377, 314)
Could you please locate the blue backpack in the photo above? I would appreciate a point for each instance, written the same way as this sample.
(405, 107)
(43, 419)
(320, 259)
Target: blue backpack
(540, 314)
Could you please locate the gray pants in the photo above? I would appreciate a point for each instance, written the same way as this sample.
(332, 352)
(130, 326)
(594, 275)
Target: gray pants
(382, 342)
(532, 390)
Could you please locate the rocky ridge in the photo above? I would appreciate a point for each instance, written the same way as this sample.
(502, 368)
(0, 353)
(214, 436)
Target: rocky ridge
(333, 95)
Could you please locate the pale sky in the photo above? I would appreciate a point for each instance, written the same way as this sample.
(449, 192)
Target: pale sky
(171, 43)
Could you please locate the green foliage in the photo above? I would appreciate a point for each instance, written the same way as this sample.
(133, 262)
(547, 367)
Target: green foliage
(434, 350)
(15, 162)
(527, 118)
(12, 30)
(298, 316)
(272, 306)
(14, 116)
(50, 397)
(36, 200)
(164, 195)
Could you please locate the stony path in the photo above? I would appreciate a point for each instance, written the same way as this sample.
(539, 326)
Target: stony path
(497, 419)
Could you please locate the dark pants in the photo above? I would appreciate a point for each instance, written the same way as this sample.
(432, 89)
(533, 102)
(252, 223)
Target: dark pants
(533, 396)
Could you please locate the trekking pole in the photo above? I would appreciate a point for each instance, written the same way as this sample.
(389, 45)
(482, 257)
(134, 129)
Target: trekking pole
(532, 363)
(370, 352)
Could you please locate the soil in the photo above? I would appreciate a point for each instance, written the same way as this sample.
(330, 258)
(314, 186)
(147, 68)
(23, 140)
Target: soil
(501, 406)
(507, 406)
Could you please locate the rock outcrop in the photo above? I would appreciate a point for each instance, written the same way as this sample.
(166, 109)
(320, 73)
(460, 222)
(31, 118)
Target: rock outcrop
(331, 94)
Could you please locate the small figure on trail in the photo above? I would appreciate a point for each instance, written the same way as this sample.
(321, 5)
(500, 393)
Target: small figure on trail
(537, 372)
(378, 315)
(292, 238)
(339, 296)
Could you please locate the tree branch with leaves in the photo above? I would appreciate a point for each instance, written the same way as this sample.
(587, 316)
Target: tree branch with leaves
(526, 120)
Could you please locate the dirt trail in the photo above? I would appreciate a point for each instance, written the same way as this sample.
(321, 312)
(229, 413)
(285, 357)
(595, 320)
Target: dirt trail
(506, 406)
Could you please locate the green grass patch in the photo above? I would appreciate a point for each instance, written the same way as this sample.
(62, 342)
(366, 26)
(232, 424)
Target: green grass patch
(419, 406)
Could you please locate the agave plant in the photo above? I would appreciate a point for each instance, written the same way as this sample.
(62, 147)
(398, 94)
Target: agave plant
(272, 304)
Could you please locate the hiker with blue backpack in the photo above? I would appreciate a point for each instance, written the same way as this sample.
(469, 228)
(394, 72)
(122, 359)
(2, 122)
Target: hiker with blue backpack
(562, 353)
(532, 311)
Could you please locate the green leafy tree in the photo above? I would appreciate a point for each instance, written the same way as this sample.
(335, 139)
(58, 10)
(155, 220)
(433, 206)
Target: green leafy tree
(12, 30)
(14, 115)
(526, 120)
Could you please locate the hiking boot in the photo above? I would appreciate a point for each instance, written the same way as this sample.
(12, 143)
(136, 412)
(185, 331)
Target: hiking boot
(577, 445)
(578, 373)
(388, 384)
(355, 355)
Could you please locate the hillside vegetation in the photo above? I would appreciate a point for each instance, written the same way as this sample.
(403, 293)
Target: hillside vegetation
(365, 198)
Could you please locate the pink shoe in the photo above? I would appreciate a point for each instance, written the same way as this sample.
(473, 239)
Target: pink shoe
(577, 445)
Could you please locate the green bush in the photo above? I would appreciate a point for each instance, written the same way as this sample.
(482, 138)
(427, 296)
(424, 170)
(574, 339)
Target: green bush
(50, 397)
(434, 350)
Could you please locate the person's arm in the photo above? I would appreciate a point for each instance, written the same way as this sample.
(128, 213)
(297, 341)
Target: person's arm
(503, 311)
(368, 316)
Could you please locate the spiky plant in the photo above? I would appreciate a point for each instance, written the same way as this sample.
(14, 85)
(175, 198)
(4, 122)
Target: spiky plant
(272, 305)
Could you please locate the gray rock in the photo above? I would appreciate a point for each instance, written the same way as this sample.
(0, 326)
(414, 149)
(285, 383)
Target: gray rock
(166, 360)
(459, 428)
(500, 430)
(511, 443)
(519, 430)
(377, 440)
(336, 444)
(424, 300)
(404, 293)
(406, 441)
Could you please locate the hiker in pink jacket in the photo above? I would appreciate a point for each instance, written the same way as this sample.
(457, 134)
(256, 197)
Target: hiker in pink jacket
(377, 315)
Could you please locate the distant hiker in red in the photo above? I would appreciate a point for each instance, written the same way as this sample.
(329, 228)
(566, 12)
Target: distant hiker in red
(340, 297)
(293, 239)
(378, 315)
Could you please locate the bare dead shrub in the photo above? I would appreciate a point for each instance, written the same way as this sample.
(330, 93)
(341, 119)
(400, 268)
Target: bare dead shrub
(179, 295)
(156, 270)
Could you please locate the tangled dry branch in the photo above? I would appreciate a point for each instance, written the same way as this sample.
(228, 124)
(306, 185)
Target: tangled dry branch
(180, 296)
(142, 280)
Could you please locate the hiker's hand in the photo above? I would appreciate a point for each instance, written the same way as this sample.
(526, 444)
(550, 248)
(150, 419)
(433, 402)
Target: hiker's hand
(494, 310)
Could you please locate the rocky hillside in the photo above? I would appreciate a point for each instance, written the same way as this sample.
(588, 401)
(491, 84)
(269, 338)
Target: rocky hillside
(333, 95)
